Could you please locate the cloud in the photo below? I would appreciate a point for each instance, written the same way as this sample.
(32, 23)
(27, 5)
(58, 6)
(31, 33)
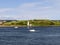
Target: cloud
(5, 9)
(34, 10)
(48, 9)
(40, 10)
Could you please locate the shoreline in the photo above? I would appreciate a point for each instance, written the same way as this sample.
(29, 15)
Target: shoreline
(31, 26)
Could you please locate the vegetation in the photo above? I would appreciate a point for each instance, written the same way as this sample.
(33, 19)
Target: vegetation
(32, 22)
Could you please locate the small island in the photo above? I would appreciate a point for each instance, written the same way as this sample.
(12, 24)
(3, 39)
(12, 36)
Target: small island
(35, 22)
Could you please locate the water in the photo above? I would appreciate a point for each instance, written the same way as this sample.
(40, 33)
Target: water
(22, 36)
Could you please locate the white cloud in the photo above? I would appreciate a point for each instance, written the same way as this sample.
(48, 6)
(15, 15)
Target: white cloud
(34, 10)
(48, 9)
(5, 9)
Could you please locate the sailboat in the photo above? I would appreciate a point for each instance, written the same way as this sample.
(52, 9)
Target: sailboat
(28, 25)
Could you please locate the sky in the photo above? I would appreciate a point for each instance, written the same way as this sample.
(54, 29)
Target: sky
(30, 9)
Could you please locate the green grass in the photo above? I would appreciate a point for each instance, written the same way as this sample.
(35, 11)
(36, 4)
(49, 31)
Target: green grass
(33, 22)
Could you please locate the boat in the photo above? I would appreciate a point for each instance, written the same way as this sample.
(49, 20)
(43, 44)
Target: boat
(28, 26)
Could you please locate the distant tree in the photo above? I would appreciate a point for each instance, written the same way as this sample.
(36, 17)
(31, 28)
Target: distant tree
(52, 23)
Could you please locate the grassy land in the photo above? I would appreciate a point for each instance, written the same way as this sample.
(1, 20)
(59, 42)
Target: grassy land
(32, 22)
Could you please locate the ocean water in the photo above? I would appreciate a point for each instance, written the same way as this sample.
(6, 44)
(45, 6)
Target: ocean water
(22, 36)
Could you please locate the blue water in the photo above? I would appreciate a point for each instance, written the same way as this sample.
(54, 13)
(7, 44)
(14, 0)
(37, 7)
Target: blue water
(22, 36)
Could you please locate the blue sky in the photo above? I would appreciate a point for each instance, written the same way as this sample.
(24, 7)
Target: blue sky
(30, 9)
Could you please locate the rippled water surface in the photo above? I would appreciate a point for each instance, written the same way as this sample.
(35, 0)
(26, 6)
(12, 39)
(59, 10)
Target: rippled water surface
(22, 36)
